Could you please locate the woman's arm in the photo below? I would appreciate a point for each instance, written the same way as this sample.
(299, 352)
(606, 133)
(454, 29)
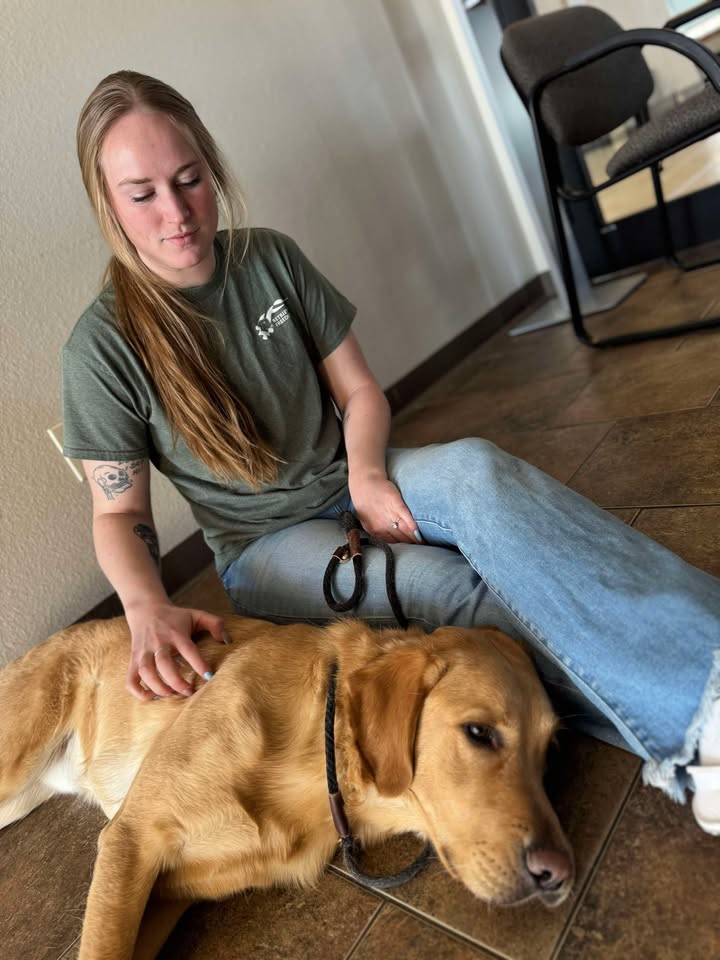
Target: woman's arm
(366, 424)
(127, 550)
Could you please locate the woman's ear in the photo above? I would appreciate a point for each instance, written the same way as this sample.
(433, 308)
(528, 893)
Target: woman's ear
(386, 698)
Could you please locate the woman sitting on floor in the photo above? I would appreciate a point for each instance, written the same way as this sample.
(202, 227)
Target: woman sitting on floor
(218, 356)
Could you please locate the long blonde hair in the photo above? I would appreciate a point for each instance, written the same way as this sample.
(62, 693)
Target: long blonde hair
(170, 336)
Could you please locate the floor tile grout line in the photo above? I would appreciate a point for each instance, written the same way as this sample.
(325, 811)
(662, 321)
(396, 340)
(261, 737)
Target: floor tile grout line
(456, 934)
(634, 416)
(593, 872)
(638, 511)
(657, 506)
(560, 425)
(452, 932)
(536, 380)
(428, 918)
(456, 393)
(365, 930)
(611, 424)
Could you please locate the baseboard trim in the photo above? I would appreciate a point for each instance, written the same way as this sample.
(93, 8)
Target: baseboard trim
(190, 557)
(403, 392)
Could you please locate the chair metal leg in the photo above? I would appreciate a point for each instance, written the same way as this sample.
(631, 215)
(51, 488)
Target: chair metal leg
(666, 228)
(550, 170)
(661, 206)
(552, 180)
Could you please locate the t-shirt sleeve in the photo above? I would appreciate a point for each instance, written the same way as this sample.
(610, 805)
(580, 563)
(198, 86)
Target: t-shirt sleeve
(101, 420)
(327, 313)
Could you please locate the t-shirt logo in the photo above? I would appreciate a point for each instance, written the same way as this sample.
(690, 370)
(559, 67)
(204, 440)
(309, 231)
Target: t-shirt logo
(275, 316)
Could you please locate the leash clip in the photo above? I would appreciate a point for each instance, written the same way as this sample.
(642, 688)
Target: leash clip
(342, 554)
(351, 549)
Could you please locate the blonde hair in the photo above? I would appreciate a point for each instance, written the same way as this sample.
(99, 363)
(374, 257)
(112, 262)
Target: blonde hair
(169, 335)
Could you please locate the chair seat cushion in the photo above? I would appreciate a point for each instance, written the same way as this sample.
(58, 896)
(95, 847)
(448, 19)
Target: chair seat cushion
(696, 115)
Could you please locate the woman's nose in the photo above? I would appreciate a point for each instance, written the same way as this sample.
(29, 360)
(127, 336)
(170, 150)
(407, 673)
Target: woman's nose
(176, 208)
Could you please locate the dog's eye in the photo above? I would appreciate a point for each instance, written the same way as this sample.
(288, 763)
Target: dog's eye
(482, 736)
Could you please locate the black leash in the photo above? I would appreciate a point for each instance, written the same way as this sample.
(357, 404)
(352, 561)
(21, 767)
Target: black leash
(350, 846)
(352, 550)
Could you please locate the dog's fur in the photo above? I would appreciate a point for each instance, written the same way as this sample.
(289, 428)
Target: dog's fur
(226, 790)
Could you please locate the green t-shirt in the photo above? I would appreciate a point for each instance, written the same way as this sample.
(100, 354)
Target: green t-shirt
(279, 317)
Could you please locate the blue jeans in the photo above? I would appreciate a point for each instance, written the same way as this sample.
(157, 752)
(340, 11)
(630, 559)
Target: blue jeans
(626, 634)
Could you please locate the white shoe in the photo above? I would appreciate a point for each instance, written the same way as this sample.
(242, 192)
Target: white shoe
(706, 802)
(706, 776)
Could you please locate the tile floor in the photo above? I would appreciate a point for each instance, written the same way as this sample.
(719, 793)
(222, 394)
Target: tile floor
(637, 429)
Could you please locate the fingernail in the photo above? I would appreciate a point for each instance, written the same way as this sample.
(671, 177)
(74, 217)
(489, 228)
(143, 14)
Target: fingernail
(226, 638)
(157, 697)
(418, 536)
(208, 675)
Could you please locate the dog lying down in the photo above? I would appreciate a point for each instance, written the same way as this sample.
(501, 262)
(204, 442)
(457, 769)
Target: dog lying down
(440, 734)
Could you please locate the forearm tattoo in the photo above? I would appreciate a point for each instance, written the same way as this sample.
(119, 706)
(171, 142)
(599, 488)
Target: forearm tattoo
(147, 534)
(116, 478)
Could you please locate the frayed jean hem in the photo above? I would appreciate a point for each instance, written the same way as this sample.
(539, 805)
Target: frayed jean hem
(669, 775)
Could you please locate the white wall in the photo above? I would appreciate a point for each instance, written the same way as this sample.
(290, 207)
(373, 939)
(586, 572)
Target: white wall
(351, 127)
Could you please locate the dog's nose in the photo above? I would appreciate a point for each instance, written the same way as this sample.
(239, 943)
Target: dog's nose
(549, 867)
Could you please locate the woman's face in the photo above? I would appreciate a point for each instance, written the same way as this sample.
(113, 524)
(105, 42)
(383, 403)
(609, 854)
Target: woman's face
(160, 190)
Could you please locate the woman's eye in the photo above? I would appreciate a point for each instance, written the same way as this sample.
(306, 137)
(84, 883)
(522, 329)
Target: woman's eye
(142, 199)
(482, 736)
(190, 183)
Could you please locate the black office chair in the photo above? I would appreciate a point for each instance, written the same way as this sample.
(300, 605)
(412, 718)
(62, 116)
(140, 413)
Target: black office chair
(581, 75)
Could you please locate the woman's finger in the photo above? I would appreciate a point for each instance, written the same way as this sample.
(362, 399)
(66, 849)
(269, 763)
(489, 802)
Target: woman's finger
(190, 653)
(133, 686)
(406, 527)
(202, 620)
(150, 676)
(409, 524)
(168, 671)
(394, 536)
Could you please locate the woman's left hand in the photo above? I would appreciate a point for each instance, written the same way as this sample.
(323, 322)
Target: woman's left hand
(380, 508)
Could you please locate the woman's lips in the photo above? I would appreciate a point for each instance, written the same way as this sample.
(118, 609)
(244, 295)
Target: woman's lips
(180, 239)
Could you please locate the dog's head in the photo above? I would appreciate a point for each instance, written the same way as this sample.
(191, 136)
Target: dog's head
(460, 724)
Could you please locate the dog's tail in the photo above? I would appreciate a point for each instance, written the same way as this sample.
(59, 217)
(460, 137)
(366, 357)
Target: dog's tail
(37, 698)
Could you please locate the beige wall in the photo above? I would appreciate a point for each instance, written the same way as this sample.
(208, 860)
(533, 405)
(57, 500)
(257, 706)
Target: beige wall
(351, 126)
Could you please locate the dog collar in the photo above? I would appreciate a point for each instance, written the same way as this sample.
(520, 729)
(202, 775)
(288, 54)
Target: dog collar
(350, 846)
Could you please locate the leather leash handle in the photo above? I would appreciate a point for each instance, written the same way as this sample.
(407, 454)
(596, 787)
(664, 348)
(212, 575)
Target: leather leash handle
(342, 555)
(353, 550)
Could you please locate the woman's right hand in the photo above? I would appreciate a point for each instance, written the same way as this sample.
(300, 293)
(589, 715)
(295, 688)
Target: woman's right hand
(128, 551)
(159, 632)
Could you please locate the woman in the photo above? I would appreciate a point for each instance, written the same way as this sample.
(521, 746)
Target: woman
(218, 356)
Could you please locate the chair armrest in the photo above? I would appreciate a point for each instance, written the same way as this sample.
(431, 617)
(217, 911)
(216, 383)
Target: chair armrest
(692, 14)
(651, 36)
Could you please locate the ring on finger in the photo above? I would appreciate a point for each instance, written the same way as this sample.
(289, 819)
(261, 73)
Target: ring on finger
(395, 524)
(160, 650)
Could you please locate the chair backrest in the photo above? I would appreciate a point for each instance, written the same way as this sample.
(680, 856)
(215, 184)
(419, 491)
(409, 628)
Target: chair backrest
(592, 101)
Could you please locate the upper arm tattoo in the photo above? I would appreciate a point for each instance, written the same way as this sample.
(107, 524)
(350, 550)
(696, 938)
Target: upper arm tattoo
(116, 478)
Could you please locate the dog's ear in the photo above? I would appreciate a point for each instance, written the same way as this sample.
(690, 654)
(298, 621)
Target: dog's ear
(386, 698)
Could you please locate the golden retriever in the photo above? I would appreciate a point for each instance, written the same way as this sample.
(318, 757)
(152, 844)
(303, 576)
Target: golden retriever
(441, 734)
